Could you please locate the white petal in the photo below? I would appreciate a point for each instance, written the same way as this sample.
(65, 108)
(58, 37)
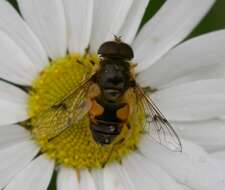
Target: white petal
(174, 21)
(219, 159)
(35, 176)
(140, 178)
(47, 20)
(67, 179)
(146, 169)
(189, 108)
(109, 17)
(192, 60)
(215, 71)
(79, 15)
(12, 24)
(15, 65)
(133, 20)
(14, 159)
(209, 133)
(116, 178)
(12, 134)
(200, 87)
(219, 154)
(98, 178)
(193, 167)
(86, 181)
(192, 101)
(13, 104)
(184, 187)
(218, 186)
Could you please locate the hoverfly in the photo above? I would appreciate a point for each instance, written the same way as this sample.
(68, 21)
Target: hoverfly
(106, 96)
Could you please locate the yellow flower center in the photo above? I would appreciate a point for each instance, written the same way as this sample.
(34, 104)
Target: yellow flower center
(75, 147)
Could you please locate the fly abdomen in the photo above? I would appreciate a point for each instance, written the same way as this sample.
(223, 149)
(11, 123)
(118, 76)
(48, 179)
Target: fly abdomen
(104, 133)
(107, 126)
(110, 110)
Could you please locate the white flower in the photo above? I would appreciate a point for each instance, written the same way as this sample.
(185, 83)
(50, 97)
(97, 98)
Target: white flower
(188, 78)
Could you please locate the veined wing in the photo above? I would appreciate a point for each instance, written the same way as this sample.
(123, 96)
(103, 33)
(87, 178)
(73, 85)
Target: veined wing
(62, 115)
(156, 124)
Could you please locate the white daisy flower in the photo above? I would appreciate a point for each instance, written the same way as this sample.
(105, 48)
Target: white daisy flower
(39, 49)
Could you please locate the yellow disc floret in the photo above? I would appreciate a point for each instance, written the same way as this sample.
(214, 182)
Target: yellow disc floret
(75, 147)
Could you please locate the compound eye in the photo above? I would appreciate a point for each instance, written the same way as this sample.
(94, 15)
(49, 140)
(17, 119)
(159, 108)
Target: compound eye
(108, 49)
(117, 50)
(126, 51)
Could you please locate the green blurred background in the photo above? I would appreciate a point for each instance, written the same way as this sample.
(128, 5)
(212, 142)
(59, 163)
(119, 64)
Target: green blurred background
(215, 20)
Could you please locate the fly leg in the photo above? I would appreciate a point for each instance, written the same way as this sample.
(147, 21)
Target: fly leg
(111, 151)
(129, 132)
(118, 143)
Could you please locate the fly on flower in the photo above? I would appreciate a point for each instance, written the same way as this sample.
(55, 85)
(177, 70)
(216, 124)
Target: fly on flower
(109, 95)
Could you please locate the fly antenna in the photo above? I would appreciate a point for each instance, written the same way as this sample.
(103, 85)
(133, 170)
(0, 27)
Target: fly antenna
(117, 39)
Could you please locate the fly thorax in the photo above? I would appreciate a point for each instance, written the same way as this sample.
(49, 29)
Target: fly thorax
(113, 78)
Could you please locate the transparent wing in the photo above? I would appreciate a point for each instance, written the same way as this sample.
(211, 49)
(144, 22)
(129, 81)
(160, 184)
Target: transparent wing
(157, 126)
(63, 114)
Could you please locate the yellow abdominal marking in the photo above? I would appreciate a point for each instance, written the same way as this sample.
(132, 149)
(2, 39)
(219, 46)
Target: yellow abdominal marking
(75, 147)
